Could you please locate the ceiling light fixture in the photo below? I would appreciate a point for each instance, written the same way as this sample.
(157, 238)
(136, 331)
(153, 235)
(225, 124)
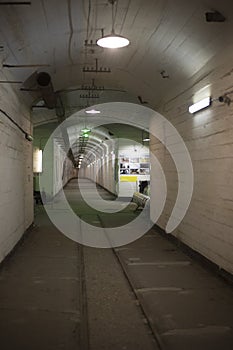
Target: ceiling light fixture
(92, 111)
(85, 130)
(113, 40)
(145, 136)
(200, 105)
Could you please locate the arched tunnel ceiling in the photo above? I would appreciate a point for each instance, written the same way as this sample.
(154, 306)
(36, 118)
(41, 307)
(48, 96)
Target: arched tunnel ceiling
(120, 122)
(170, 36)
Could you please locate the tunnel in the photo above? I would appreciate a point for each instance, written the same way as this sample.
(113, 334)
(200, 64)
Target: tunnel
(116, 146)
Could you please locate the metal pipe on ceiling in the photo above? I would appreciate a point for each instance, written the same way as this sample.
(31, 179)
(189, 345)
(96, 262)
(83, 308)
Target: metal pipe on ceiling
(15, 3)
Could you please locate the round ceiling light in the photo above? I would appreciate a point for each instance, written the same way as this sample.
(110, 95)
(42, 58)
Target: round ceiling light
(113, 41)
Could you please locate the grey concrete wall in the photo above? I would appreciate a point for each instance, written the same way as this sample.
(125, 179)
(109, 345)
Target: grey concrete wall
(16, 178)
(208, 224)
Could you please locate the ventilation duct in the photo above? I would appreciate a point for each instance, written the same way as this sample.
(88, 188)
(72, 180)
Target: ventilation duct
(40, 86)
(46, 88)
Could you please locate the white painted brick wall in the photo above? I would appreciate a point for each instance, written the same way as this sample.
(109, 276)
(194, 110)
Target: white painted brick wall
(103, 175)
(208, 224)
(16, 180)
(63, 168)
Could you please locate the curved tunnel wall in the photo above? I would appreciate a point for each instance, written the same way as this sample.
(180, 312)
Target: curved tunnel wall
(208, 225)
(16, 186)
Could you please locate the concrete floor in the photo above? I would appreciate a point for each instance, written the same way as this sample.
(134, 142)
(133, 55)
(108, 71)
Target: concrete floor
(188, 307)
(57, 294)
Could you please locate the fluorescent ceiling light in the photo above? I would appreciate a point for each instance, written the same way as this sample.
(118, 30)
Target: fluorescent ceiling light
(200, 105)
(113, 41)
(92, 111)
(146, 139)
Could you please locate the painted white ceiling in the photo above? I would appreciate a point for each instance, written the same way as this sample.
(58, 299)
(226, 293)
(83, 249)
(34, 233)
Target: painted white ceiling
(166, 35)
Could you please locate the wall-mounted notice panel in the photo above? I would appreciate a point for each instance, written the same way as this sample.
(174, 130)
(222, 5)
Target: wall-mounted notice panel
(134, 167)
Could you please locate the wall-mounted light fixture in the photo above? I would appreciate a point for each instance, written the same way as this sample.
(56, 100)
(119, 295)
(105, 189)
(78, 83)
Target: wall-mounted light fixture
(28, 137)
(206, 102)
(145, 136)
(113, 40)
(37, 161)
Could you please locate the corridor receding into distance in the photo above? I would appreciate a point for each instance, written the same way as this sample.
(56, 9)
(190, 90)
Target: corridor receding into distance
(116, 175)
